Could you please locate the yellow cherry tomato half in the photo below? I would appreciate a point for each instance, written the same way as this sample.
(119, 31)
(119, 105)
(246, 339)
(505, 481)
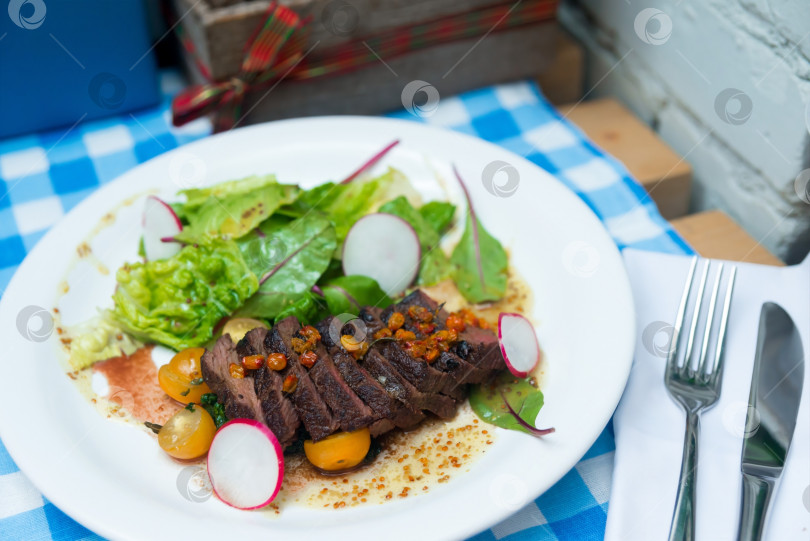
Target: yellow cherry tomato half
(188, 433)
(238, 327)
(339, 451)
(181, 378)
(187, 363)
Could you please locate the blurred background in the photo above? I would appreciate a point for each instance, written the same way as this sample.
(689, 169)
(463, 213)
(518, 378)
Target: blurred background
(705, 102)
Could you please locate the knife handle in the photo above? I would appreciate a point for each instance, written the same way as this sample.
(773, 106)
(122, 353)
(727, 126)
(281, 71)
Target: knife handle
(756, 495)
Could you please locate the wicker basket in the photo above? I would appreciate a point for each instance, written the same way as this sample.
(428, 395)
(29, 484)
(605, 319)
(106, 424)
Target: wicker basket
(219, 29)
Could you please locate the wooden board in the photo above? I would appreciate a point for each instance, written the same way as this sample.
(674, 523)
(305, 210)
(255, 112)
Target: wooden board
(714, 234)
(666, 176)
(562, 81)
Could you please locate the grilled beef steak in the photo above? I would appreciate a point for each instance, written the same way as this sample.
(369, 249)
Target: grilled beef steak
(388, 384)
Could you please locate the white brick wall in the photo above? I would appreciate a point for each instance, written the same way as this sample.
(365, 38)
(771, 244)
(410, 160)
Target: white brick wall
(725, 83)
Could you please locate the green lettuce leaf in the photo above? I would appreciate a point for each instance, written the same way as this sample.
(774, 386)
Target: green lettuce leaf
(99, 339)
(488, 403)
(304, 248)
(233, 208)
(439, 214)
(178, 301)
(434, 266)
(308, 309)
(347, 294)
(261, 249)
(344, 204)
(481, 264)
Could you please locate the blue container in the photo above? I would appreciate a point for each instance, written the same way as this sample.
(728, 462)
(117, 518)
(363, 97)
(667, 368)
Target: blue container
(65, 61)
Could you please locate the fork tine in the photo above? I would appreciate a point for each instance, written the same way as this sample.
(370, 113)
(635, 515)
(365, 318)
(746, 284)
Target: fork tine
(695, 317)
(717, 368)
(704, 347)
(672, 356)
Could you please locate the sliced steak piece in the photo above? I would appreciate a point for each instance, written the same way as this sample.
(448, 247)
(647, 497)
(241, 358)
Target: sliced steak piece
(311, 407)
(417, 298)
(420, 374)
(482, 349)
(347, 407)
(460, 370)
(381, 426)
(237, 394)
(399, 387)
(363, 384)
(279, 412)
(329, 336)
(417, 371)
(405, 418)
(386, 375)
(332, 327)
(371, 317)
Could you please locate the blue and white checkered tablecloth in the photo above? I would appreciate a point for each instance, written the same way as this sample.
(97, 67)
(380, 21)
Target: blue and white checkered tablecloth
(43, 176)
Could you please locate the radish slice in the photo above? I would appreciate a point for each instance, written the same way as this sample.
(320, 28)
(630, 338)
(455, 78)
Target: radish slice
(160, 224)
(518, 343)
(245, 464)
(384, 247)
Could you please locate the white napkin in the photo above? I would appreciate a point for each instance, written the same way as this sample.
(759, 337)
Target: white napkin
(649, 425)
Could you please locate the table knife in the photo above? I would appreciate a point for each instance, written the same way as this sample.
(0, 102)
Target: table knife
(776, 390)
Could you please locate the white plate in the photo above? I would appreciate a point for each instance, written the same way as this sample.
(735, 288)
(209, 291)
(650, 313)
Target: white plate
(116, 481)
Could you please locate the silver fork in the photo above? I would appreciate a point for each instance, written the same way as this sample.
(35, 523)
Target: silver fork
(695, 389)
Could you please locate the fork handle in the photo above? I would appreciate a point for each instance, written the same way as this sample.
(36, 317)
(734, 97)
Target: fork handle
(756, 495)
(683, 518)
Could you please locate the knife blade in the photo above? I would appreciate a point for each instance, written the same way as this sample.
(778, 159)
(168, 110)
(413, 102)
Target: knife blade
(776, 390)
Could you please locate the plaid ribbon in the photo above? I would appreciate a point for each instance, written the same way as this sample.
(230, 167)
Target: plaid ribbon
(276, 51)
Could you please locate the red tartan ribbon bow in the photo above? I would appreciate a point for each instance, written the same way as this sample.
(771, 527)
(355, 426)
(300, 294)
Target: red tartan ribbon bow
(275, 48)
(276, 51)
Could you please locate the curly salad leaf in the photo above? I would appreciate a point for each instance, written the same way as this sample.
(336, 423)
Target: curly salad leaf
(178, 301)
